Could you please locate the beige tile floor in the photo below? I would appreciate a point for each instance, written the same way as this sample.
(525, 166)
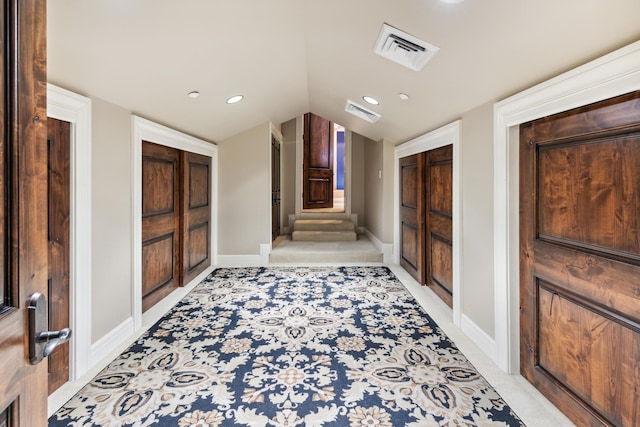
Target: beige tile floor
(533, 408)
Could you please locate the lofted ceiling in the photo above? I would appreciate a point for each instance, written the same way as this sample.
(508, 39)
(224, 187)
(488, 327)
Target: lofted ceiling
(288, 57)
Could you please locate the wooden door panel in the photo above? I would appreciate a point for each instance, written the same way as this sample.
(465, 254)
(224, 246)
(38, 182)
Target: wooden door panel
(410, 244)
(409, 176)
(157, 263)
(320, 154)
(584, 199)
(439, 222)
(412, 215)
(59, 139)
(161, 222)
(196, 244)
(576, 342)
(317, 168)
(441, 185)
(158, 174)
(579, 287)
(198, 185)
(23, 213)
(442, 261)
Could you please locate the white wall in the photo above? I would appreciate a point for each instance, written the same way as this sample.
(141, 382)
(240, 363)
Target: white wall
(477, 217)
(244, 192)
(357, 177)
(111, 217)
(288, 169)
(378, 188)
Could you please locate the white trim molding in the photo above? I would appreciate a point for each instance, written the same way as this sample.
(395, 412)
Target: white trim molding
(76, 109)
(146, 130)
(450, 134)
(611, 75)
(385, 248)
(478, 336)
(115, 339)
(240, 260)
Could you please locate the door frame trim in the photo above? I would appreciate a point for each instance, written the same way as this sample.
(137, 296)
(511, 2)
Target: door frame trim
(348, 135)
(614, 74)
(143, 129)
(277, 135)
(450, 134)
(76, 109)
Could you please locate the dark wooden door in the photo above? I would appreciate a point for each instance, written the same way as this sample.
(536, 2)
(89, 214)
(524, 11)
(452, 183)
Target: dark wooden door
(580, 260)
(23, 213)
(317, 167)
(196, 232)
(59, 139)
(412, 215)
(439, 220)
(275, 189)
(161, 212)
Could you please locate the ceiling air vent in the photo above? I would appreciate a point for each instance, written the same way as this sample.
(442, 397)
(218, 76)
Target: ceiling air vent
(403, 48)
(362, 112)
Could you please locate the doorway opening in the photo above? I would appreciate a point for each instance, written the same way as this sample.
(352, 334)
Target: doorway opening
(323, 166)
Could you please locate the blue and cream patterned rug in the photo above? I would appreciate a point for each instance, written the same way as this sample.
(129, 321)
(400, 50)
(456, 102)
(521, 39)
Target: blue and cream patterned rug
(296, 346)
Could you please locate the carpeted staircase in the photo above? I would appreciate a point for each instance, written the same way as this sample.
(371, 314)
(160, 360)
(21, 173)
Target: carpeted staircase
(324, 230)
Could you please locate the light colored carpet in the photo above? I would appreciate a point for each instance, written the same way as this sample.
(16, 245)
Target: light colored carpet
(288, 251)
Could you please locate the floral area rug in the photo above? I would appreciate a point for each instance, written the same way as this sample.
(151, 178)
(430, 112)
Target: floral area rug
(314, 347)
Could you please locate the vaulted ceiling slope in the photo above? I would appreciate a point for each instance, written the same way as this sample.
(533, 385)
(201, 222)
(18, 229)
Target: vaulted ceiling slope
(288, 57)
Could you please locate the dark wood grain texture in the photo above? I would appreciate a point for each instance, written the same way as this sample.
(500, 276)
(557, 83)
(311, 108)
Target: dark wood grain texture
(59, 142)
(317, 165)
(161, 222)
(23, 387)
(196, 232)
(439, 222)
(412, 215)
(579, 287)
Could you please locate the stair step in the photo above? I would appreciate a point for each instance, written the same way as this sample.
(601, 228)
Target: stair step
(323, 225)
(323, 236)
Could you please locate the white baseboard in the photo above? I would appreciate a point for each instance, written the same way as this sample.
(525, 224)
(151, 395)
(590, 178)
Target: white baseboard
(385, 248)
(239, 260)
(246, 260)
(479, 337)
(265, 251)
(118, 337)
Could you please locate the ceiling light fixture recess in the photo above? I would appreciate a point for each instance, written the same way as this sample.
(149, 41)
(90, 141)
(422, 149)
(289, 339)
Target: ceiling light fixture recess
(235, 99)
(403, 96)
(371, 100)
(193, 94)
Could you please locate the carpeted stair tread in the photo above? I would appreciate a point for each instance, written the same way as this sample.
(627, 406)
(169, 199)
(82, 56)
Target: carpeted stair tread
(323, 230)
(323, 225)
(323, 236)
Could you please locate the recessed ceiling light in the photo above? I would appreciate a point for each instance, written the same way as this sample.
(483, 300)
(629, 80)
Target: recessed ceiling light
(371, 100)
(451, 1)
(235, 99)
(403, 96)
(194, 94)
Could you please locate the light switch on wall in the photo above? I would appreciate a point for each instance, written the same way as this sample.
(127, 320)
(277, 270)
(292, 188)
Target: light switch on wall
(379, 173)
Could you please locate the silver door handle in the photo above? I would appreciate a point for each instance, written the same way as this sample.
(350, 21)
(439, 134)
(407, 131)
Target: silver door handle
(41, 341)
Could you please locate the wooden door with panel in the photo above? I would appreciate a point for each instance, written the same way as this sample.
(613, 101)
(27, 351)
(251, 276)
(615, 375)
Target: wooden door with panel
(23, 215)
(580, 260)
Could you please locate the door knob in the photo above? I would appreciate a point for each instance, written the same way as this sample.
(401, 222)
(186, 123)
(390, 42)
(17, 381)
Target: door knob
(41, 341)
